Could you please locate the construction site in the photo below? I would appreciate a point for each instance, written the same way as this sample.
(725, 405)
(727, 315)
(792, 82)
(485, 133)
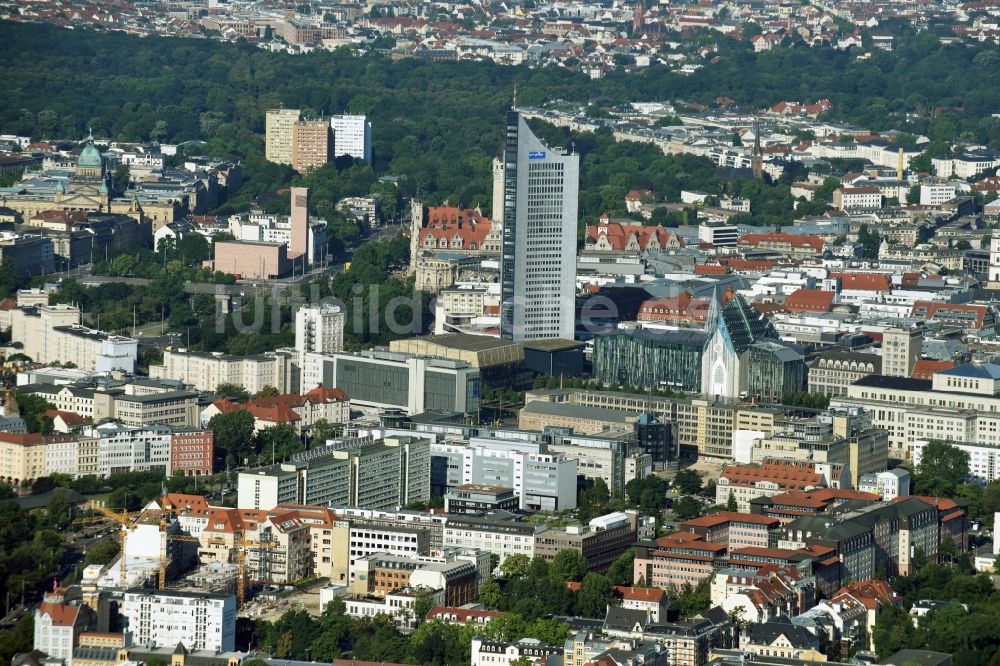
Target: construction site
(164, 548)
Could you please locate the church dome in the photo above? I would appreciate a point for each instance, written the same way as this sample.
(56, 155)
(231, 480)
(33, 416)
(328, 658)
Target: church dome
(90, 156)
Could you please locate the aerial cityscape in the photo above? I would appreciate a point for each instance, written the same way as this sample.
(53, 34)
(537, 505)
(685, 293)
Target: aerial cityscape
(523, 333)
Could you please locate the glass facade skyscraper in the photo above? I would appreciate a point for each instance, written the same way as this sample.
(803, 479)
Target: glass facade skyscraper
(538, 255)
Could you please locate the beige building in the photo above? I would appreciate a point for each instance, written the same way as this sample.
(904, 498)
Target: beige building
(22, 457)
(253, 260)
(174, 408)
(278, 135)
(585, 420)
(312, 144)
(901, 350)
(204, 371)
(478, 351)
(832, 372)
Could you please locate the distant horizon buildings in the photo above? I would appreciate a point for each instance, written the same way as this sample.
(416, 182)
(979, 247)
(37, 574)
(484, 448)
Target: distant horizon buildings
(538, 256)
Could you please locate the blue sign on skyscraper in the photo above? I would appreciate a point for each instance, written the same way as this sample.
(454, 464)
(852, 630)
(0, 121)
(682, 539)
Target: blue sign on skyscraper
(536, 155)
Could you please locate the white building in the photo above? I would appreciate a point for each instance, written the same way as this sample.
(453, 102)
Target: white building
(935, 194)
(164, 617)
(538, 255)
(398, 605)
(52, 333)
(318, 329)
(888, 485)
(352, 135)
(496, 653)
(131, 449)
(62, 456)
(57, 627)
(984, 459)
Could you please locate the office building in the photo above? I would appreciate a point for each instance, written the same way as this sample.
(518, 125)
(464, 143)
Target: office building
(191, 451)
(172, 408)
(352, 136)
(959, 404)
(132, 449)
(600, 542)
(541, 480)
(165, 617)
(389, 380)
(278, 135)
(312, 144)
(538, 256)
(501, 534)
(832, 372)
(374, 474)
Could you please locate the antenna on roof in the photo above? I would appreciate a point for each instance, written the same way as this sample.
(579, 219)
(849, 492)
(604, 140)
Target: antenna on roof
(513, 104)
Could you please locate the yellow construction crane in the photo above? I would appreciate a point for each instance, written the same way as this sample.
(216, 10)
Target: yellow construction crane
(242, 546)
(165, 539)
(127, 521)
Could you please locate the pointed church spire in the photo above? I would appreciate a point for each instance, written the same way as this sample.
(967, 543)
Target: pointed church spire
(713, 310)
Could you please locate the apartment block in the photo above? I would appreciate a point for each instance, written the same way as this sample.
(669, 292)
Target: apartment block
(278, 135)
(52, 333)
(165, 617)
(352, 136)
(312, 144)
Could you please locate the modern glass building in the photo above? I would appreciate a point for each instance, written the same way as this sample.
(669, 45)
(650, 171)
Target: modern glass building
(650, 359)
(538, 251)
(774, 370)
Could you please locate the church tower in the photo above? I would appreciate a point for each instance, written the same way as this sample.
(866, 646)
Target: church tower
(757, 157)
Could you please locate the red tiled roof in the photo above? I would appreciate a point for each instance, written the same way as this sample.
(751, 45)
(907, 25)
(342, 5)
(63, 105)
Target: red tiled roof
(323, 394)
(619, 234)
(791, 474)
(783, 238)
(870, 593)
(710, 269)
(721, 517)
(863, 281)
(931, 310)
(445, 223)
(809, 300)
(650, 594)
(925, 368)
(7, 304)
(69, 418)
(62, 615)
